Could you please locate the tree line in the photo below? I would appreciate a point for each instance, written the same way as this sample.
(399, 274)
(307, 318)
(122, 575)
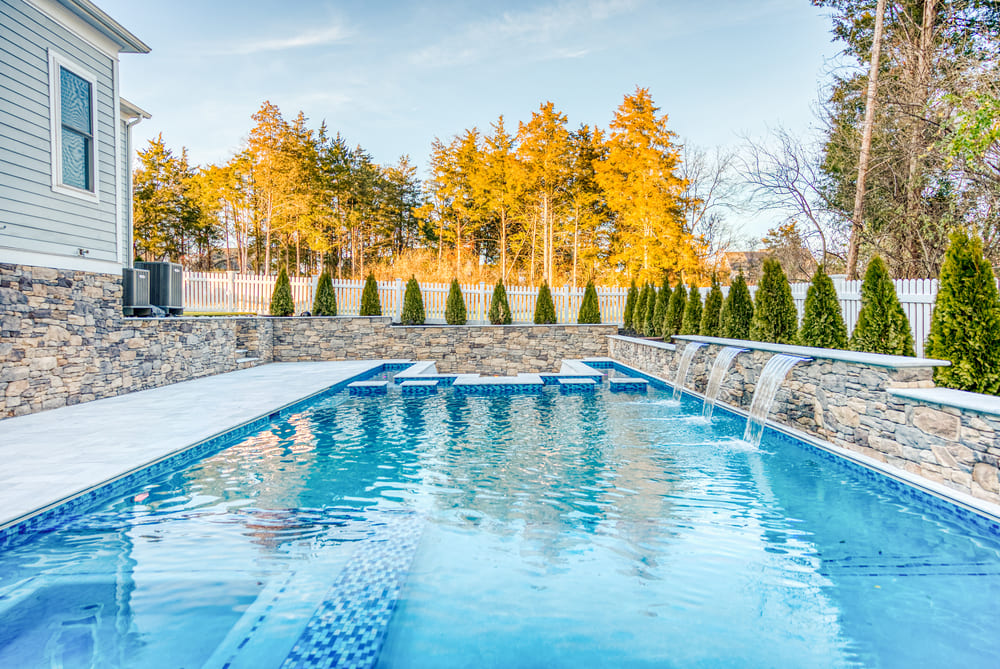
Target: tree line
(542, 202)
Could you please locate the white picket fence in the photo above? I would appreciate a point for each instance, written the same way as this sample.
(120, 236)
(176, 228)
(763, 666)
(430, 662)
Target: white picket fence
(250, 293)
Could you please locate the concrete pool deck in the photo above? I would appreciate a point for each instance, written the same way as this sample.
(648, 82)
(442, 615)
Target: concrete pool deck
(52, 455)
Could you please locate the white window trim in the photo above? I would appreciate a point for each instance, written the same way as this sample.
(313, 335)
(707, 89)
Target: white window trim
(57, 60)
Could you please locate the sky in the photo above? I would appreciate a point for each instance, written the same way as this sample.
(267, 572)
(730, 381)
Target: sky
(392, 76)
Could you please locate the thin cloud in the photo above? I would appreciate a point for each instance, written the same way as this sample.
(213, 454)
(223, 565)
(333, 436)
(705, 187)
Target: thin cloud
(317, 37)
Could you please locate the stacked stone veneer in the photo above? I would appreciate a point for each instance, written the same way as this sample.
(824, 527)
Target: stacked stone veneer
(848, 404)
(485, 349)
(64, 341)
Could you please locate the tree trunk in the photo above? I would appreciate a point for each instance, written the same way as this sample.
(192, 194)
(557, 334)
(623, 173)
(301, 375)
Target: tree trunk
(866, 144)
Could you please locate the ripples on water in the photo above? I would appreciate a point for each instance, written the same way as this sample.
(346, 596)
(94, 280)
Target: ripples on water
(560, 531)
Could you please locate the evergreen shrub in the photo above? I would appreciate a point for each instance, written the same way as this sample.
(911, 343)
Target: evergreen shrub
(499, 313)
(965, 326)
(882, 324)
(737, 310)
(774, 316)
(282, 303)
(325, 302)
(674, 317)
(649, 327)
(822, 320)
(660, 312)
(630, 301)
(454, 311)
(691, 325)
(590, 307)
(413, 304)
(370, 304)
(711, 323)
(545, 310)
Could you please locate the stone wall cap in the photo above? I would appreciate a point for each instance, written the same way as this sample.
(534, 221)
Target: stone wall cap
(647, 342)
(873, 359)
(960, 399)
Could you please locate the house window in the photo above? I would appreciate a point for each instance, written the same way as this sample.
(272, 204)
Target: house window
(72, 91)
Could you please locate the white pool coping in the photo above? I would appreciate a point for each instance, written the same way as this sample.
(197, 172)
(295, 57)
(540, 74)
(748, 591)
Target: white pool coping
(53, 455)
(960, 399)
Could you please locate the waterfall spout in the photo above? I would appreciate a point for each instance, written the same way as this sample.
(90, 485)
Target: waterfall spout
(771, 376)
(682, 367)
(719, 369)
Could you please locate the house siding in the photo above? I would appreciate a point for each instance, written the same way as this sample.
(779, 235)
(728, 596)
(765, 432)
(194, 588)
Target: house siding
(35, 217)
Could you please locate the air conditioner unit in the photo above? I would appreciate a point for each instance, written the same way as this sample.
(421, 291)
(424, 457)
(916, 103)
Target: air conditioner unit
(166, 286)
(135, 292)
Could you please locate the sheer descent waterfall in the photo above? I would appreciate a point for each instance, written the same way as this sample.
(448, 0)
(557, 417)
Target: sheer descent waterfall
(771, 376)
(719, 369)
(682, 367)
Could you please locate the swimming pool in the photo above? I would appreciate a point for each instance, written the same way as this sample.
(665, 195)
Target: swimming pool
(523, 530)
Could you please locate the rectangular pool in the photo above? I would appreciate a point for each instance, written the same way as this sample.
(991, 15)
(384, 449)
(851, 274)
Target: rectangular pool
(549, 530)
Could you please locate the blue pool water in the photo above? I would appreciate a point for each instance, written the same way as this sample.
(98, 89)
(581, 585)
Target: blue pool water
(542, 530)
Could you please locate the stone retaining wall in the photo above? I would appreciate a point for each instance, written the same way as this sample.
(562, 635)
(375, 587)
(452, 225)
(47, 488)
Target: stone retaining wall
(847, 403)
(64, 341)
(485, 349)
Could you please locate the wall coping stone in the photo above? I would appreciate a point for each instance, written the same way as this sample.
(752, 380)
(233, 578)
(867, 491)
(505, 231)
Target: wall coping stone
(873, 359)
(961, 399)
(647, 342)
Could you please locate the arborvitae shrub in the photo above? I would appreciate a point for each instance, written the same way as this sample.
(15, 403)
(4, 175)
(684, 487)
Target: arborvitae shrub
(737, 310)
(545, 310)
(499, 307)
(649, 327)
(674, 317)
(882, 324)
(691, 325)
(413, 304)
(660, 312)
(454, 311)
(639, 315)
(965, 326)
(630, 301)
(590, 307)
(282, 303)
(774, 316)
(370, 305)
(712, 313)
(822, 320)
(325, 302)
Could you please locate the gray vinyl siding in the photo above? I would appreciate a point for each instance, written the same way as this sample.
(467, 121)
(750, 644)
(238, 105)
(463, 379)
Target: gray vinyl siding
(37, 218)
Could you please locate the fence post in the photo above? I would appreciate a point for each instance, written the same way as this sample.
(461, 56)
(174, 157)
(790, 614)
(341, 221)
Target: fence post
(230, 291)
(483, 309)
(399, 300)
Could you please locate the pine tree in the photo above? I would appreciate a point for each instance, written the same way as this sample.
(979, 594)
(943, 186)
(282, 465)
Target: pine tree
(649, 327)
(675, 311)
(965, 325)
(281, 299)
(325, 302)
(691, 324)
(774, 316)
(499, 308)
(370, 304)
(823, 322)
(660, 313)
(630, 302)
(711, 315)
(737, 310)
(590, 307)
(454, 312)
(413, 304)
(882, 324)
(545, 310)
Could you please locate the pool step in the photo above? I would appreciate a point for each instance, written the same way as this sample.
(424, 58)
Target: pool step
(628, 385)
(419, 387)
(498, 385)
(567, 386)
(368, 388)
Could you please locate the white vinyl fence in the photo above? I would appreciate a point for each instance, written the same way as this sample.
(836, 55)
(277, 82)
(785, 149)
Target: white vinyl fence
(250, 293)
